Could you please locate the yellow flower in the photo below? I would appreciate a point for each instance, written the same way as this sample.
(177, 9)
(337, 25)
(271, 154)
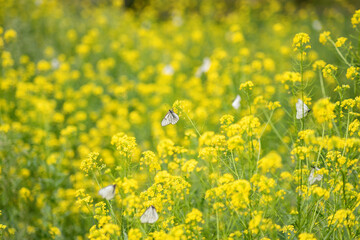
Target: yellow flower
(319, 64)
(150, 160)
(342, 218)
(340, 41)
(324, 36)
(194, 216)
(10, 35)
(301, 41)
(92, 162)
(306, 236)
(329, 71)
(124, 144)
(352, 73)
(54, 231)
(324, 110)
(355, 20)
(43, 66)
(25, 193)
(248, 85)
(134, 234)
(270, 162)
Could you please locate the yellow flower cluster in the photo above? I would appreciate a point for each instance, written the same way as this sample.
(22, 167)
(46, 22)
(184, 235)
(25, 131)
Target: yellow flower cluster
(270, 163)
(81, 107)
(301, 41)
(324, 111)
(355, 20)
(234, 195)
(149, 159)
(324, 36)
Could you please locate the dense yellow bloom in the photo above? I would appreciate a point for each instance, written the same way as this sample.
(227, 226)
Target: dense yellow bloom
(150, 160)
(353, 73)
(270, 163)
(43, 66)
(194, 216)
(92, 162)
(134, 234)
(54, 232)
(263, 183)
(301, 41)
(292, 77)
(10, 35)
(329, 71)
(124, 144)
(319, 64)
(246, 85)
(324, 110)
(342, 218)
(306, 236)
(324, 36)
(340, 41)
(355, 20)
(189, 166)
(235, 194)
(25, 193)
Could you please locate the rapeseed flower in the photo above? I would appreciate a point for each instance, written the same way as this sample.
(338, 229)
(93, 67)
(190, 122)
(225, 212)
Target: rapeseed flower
(301, 41)
(324, 111)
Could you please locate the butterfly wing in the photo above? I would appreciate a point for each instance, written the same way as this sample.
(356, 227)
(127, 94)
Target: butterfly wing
(149, 216)
(170, 118)
(174, 117)
(236, 102)
(313, 177)
(166, 120)
(107, 192)
(301, 109)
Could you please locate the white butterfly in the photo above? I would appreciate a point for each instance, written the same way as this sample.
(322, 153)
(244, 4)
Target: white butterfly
(314, 177)
(301, 109)
(204, 67)
(170, 117)
(168, 70)
(236, 102)
(108, 192)
(149, 216)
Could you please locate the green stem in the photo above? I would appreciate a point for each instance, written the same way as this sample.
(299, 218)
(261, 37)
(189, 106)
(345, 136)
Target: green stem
(193, 124)
(340, 54)
(322, 84)
(217, 225)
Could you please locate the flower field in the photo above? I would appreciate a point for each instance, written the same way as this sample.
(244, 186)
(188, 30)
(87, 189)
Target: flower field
(263, 140)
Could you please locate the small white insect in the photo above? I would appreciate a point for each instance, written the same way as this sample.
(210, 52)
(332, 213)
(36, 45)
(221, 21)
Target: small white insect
(236, 102)
(168, 70)
(314, 177)
(301, 109)
(170, 117)
(204, 67)
(149, 216)
(108, 192)
(316, 24)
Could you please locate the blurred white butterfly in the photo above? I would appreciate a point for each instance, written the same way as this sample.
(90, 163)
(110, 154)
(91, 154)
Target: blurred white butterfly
(168, 70)
(108, 192)
(149, 216)
(170, 117)
(236, 102)
(204, 67)
(313, 177)
(301, 109)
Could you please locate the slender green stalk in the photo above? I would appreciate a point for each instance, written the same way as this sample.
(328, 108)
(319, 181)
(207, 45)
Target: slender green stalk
(217, 225)
(322, 83)
(197, 131)
(300, 165)
(340, 54)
